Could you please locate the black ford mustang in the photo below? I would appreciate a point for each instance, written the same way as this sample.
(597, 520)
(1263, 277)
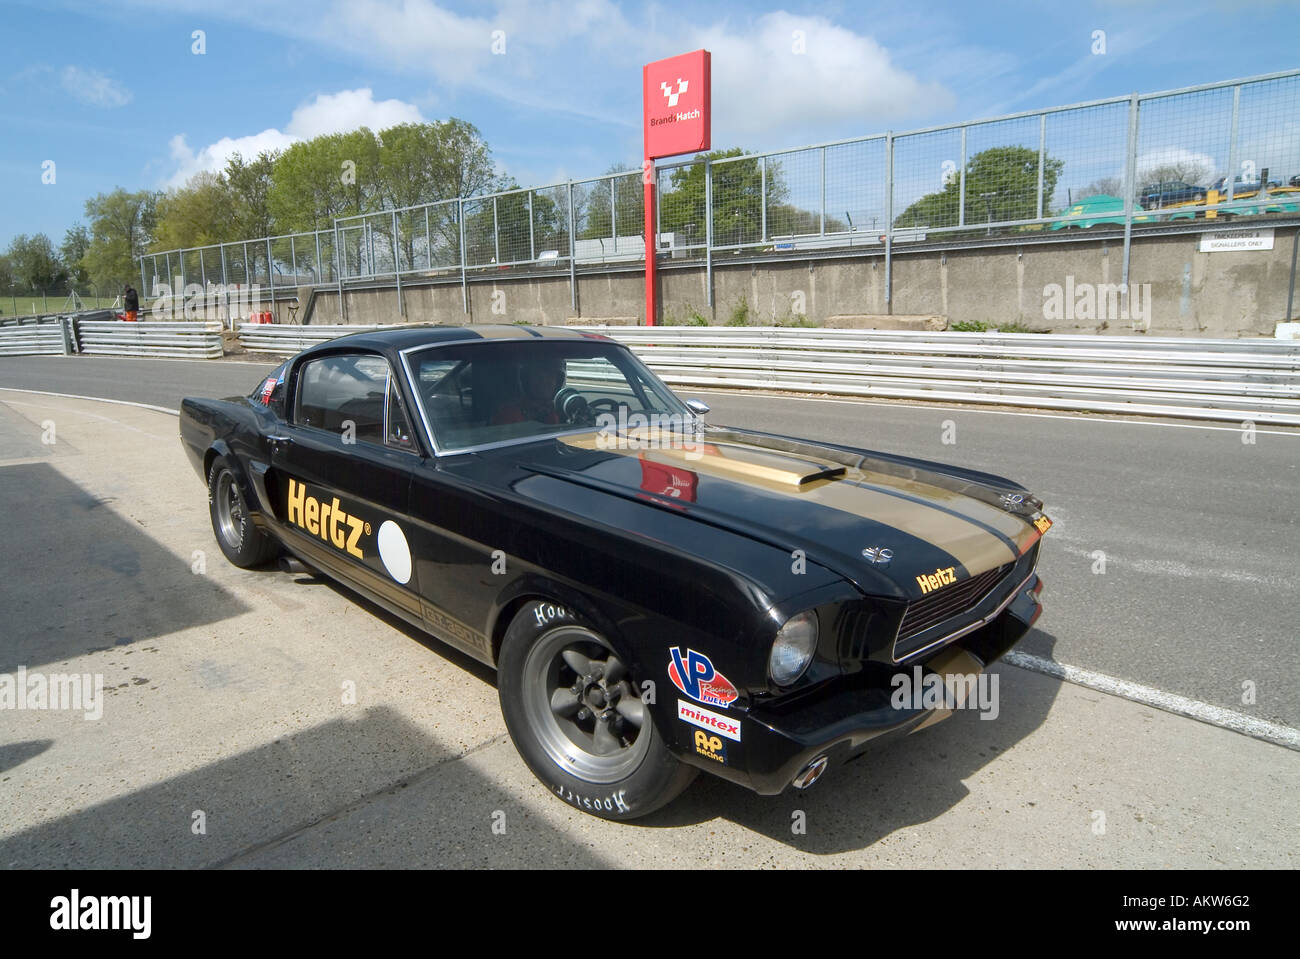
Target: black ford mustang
(658, 596)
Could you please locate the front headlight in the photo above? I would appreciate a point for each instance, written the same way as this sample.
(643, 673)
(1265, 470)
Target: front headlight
(793, 649)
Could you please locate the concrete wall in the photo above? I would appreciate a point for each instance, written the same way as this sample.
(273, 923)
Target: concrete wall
(1181, 291)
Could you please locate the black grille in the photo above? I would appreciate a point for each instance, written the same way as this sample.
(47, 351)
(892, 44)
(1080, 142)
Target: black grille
(946, 604)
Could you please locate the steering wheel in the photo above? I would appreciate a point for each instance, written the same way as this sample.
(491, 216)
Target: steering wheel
(573, 407)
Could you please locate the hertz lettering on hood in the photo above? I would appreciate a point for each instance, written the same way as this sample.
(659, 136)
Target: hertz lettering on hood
(328, 521)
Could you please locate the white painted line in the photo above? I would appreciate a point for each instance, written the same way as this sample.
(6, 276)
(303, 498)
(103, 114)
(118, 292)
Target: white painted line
(1094, 418)
(97, 399)
(1179, 705)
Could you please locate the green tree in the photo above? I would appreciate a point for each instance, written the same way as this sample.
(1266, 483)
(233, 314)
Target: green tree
(76, 243)
(121, 227)
(248, 184)
(200, 213)
(35, 264)
(738, 194)
(626, 201)
(1001, 185)
(317, 180)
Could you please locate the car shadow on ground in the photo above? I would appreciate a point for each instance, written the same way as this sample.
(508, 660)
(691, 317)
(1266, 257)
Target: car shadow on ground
(85, 579)
(368, 790)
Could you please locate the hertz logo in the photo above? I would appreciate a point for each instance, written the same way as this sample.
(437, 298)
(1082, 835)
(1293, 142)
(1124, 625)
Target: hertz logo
(328, 521)
(940, 578)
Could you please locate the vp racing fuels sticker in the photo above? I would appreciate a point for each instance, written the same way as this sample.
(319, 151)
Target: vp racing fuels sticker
(694, 675)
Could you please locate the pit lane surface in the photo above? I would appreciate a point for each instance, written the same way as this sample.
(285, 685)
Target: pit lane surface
(229, 704)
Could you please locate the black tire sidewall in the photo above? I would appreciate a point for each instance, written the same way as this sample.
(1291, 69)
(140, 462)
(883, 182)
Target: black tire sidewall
(658, 779)
(255, 548)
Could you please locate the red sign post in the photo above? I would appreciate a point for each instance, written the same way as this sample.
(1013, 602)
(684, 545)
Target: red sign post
(676, 119)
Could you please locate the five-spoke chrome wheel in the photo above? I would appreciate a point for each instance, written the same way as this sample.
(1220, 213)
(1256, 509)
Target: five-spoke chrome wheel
(587, 713)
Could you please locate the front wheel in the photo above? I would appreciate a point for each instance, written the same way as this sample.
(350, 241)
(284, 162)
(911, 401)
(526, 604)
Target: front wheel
(242, 542)
(578, 720)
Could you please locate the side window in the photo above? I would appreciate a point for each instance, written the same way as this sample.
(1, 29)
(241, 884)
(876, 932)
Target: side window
(344, 394)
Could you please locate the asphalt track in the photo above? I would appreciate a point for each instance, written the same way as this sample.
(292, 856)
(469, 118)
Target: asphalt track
(225, 692)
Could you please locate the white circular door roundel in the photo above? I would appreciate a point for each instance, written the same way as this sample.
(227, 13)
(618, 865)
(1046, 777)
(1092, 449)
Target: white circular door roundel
(394, 551)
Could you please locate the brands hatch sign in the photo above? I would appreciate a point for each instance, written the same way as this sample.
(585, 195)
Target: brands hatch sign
(675, 118)
(675, 97)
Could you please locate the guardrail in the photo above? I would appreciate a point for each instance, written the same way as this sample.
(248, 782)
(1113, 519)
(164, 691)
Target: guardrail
(200, 340)
(1235, 380)
(1230, 380)
(34, 339)
(288, 339)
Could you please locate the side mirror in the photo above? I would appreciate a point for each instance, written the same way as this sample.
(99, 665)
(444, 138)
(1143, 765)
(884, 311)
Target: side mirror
(698, 407)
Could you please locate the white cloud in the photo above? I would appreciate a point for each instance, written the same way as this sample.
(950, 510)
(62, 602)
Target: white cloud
(327, 113)
(763, 87)
(90, 86)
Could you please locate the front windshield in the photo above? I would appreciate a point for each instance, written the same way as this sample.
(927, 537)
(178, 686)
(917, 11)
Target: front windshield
(476, 394)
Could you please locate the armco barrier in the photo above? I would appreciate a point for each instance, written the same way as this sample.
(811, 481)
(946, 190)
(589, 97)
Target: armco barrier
(34, 339)
(1232, 380)
(117, 338)
(287, 339)
(1235, 380)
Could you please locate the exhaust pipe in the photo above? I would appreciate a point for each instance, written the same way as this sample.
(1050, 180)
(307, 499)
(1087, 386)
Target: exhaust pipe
(810, 773)
(291, 564)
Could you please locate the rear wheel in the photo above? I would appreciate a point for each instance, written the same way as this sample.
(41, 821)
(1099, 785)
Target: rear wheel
(577, 717)
(242, 542)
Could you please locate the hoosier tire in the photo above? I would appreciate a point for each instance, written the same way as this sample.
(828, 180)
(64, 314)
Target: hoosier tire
(240, 540)
(577, 719)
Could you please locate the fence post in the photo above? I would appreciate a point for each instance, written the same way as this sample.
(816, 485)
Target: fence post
(464, 281)
(143, 285)
(225, 287)
(496, 234)
(1232, 141)
(428, 244)
(822, 220)
(397, 269)
(318, 272)
(339, 263)
(762, 196)
(573, 266)
(961, 192)
(889, 222)
(1042, 148)
(708, 230)
(532, 240)
(270, 273)
(1130, 175)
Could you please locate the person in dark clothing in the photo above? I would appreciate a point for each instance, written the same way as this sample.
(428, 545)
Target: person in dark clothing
(131, 303)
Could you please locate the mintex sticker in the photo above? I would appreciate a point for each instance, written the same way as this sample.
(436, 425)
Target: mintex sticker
(707, 719)
(694, 675)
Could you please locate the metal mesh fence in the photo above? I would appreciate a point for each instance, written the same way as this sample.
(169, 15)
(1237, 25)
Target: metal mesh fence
(1212, 152)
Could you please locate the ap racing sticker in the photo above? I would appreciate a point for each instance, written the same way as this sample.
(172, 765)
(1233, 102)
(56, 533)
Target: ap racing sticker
(694, 675)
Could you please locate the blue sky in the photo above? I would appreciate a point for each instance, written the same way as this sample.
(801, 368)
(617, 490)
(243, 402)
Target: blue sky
(115, 95)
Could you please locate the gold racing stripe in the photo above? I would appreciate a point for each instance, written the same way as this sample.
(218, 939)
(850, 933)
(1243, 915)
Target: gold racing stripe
(961, 535)
(1009, 525)
(498, 332)
(970, 544)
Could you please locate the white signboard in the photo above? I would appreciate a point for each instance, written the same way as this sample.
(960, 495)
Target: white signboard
(1230, 240)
